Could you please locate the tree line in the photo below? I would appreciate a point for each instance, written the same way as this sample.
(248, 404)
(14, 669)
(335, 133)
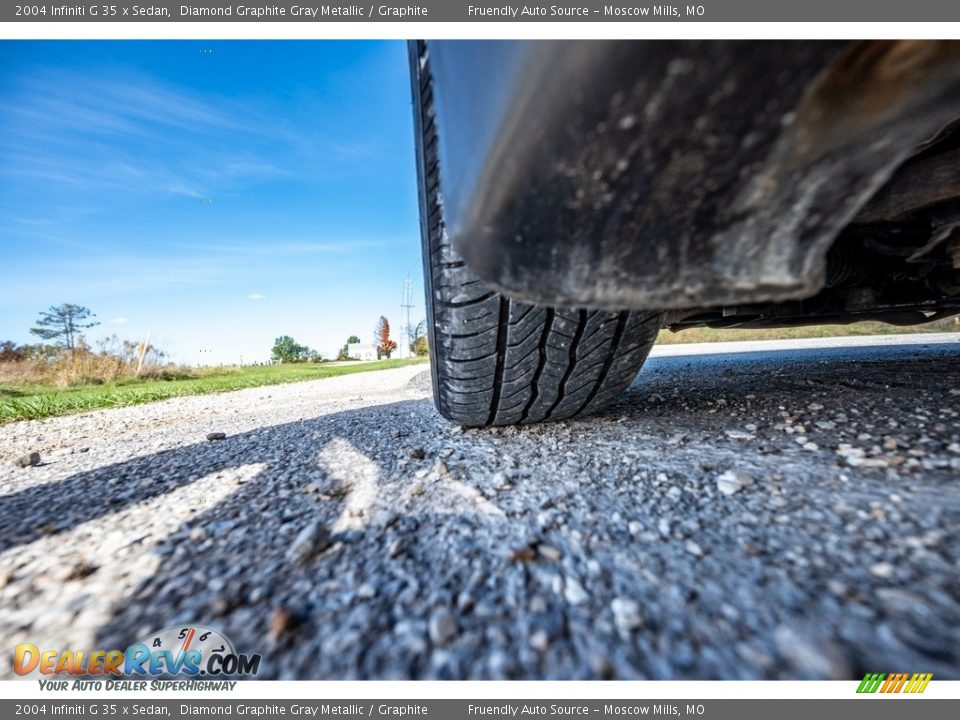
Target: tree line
(286, 349)
(65, 358)
(61, 328)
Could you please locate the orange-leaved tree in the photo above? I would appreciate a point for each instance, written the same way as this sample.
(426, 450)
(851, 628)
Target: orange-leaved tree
(381, 337)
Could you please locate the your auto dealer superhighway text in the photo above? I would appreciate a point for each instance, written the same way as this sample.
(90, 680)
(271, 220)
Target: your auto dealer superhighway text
(301, 11)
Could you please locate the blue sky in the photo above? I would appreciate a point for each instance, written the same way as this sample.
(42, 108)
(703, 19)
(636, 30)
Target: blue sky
(217, 194)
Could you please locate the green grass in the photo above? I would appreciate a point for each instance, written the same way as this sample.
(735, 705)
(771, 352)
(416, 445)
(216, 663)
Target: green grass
(703, 335)
(26, 402)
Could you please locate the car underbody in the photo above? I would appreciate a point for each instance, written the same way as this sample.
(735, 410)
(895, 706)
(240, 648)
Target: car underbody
(897, 261)
(729, 184)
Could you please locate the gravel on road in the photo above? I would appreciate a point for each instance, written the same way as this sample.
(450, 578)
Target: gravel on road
(777, 514)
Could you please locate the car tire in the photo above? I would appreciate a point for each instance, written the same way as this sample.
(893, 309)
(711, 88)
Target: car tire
(498, 361)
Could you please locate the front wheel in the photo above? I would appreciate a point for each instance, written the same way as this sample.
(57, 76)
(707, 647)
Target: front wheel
(497, 361)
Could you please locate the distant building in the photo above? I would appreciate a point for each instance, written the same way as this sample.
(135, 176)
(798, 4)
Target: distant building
(361, 351)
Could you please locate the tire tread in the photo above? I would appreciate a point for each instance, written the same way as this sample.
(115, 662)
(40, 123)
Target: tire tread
(499, 361)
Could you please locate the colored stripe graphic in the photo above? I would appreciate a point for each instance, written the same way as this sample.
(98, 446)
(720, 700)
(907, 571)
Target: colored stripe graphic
(871, 682)
(918, 683)
(894, 683)
(891, 683)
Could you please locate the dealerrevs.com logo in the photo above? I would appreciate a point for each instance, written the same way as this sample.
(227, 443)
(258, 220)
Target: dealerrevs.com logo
(894, 683)
(193, 651)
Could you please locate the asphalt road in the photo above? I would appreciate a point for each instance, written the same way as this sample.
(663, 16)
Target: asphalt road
(770, 514)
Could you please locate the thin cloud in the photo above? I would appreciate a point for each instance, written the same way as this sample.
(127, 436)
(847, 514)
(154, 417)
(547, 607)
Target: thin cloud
(131, 104)
(256, 296)
(275, 248)
(185, 190)
(119, 320)
(125, 130)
